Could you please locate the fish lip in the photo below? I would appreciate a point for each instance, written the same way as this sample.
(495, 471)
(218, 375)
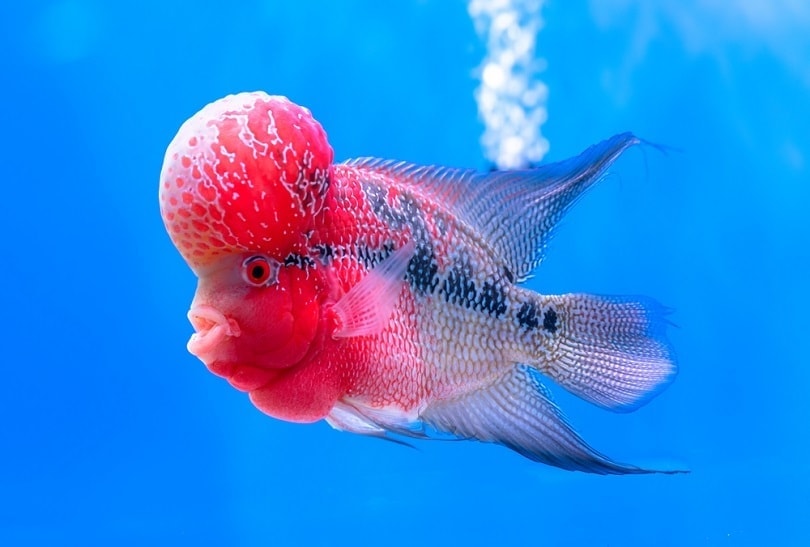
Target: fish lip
(211, 327)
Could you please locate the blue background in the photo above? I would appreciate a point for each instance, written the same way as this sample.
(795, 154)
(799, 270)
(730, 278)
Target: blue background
(113, 434)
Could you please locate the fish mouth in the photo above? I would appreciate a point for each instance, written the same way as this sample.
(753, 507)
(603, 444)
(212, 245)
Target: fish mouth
(211, 328)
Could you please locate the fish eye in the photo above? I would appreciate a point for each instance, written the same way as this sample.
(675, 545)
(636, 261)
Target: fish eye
(260, 271)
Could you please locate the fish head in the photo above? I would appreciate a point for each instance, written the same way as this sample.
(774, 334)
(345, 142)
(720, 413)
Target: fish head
(252, 317)
(241, 187)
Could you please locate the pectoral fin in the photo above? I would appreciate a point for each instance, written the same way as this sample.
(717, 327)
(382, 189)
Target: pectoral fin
(516, 411)
(366, 308)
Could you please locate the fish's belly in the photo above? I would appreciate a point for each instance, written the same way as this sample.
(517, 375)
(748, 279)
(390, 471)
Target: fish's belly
(462, 348)
(388, 370)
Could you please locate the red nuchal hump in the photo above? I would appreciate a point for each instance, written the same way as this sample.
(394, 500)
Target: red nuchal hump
(247, 172)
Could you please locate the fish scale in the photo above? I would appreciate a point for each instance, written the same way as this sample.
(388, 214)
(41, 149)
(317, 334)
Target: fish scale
(449, 364)
(383, 296)
(455, 322)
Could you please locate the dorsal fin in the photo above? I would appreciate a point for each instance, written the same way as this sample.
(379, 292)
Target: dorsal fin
(515, 211)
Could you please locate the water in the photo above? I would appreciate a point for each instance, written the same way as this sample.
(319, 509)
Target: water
(113, 434)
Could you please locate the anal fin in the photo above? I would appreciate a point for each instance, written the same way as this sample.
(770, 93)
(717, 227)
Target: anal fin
(517, 411)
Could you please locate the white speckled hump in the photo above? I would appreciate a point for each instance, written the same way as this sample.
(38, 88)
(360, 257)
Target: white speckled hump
(515, 211)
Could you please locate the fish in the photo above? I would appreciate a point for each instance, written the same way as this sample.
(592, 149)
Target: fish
(386, 297)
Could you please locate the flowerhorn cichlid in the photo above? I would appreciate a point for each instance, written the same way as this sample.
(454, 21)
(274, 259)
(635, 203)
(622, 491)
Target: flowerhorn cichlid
(385, 297)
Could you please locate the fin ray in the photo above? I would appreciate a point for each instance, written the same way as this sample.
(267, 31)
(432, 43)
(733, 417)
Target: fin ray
(515, 211)
(345, 417)
(611, 351)
(355, 417)
(517, 411)
(366, 308)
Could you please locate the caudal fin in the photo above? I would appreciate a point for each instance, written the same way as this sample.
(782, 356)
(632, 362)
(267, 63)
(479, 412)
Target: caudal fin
(609, 350)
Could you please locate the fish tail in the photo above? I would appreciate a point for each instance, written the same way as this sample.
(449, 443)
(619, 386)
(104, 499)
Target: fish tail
(611, 351)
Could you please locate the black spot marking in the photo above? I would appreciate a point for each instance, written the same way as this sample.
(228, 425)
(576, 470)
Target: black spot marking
(375, 197)
(403, 213)
(386, 250)
(422, 270)
(527, 316)
(302, 261)
(492, 299)
(508, 274)
(371, 258)
(366, 257)
(550, 320)
(458, 288)
(324, 252)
